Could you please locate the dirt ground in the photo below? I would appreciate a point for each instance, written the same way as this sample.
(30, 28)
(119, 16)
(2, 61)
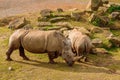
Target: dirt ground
(13, 7)
(101, 67)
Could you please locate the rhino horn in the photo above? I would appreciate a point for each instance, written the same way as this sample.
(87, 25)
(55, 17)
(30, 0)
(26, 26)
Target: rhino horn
(77, 58)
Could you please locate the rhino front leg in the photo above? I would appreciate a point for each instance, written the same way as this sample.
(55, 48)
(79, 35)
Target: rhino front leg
(86, 58)
(22, 53)
(8, 54)
(51, 57)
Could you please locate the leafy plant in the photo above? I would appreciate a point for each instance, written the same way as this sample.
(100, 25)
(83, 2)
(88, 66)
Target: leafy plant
(96, 22)
(113, 8)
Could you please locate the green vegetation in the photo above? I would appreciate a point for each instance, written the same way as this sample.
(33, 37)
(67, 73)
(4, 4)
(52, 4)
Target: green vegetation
(96, 22)
(100, 67)
(113, 8)
(38, 67)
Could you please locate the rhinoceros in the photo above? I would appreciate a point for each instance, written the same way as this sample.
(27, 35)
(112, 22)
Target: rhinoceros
(36, 41)
(80, 43)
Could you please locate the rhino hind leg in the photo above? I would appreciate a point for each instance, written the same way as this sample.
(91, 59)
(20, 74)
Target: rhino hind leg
(79, 53)
(8, 54)
(22, 53)
(51, 57)
(86, 59)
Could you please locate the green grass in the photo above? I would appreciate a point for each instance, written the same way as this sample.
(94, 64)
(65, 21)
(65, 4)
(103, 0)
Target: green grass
(38, 67)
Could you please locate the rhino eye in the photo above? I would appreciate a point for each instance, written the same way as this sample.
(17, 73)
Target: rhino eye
(68, 55)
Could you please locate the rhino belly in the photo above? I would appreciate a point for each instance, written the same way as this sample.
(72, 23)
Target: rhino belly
(34, 44)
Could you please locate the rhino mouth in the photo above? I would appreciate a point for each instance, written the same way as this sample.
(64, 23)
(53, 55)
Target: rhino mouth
(70, 63)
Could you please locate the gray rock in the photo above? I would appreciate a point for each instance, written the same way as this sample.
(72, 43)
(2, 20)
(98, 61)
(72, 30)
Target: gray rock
(115, 15)
(102, 10)
(46, 12)
(43, 24)
(62, 15)
(115, 25)
(105, 1)
(57, 19)
(95, 4)
(76, 16)
(98, 20)
(59, 10)
(97, 42)
(18, 23)
(99, 51)
(115, 41)
(64, 24)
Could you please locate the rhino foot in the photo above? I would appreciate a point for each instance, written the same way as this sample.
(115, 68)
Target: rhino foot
(86, 60)
(25, 58)
(52, 62)
(9, 59)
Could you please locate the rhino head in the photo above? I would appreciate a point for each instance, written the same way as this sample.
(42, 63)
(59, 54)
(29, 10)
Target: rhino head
(67, 53)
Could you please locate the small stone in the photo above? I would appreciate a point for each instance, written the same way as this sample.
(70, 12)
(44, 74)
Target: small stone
(46, 12)
(59, 10)
(10, 68)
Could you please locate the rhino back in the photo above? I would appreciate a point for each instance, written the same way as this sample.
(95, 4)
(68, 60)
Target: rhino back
(40, 41)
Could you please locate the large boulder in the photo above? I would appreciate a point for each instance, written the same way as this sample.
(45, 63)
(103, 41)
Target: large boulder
(18, 23)
(95, 4)
(97, 42)
(76, 15)
(46, 12)
(98, 20)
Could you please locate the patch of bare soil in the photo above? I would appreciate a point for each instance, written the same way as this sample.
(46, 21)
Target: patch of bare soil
(13, 7)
